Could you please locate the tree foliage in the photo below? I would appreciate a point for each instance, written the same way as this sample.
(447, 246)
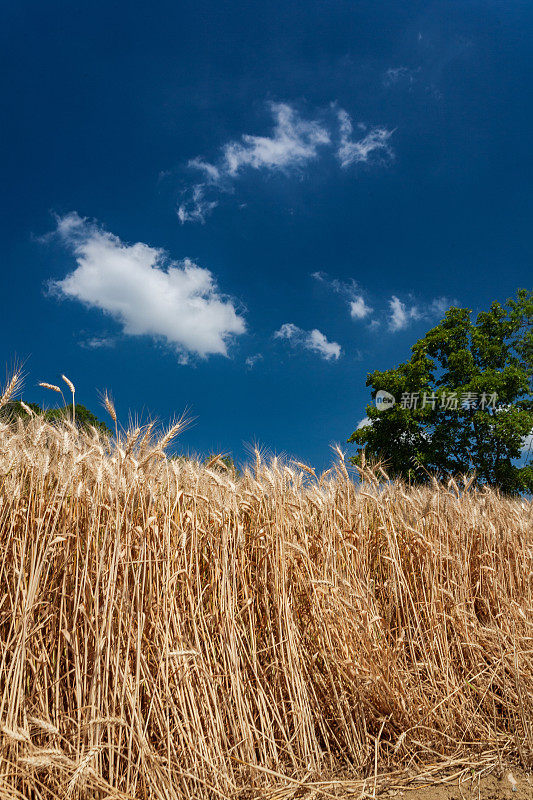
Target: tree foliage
(487, 366)
(84, 418)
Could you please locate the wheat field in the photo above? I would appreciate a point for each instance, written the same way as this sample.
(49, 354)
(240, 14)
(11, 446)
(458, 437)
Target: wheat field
(170, 629)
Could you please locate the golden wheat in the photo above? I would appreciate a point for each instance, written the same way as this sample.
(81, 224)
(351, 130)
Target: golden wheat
(173, 630)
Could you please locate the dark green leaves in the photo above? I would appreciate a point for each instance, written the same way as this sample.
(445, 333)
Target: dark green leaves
(442, 422)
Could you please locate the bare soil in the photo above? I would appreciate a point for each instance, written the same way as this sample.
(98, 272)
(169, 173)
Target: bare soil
(511, 786)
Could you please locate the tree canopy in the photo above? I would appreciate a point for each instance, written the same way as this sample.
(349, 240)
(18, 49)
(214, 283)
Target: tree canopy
(84, 418)
(462, 403)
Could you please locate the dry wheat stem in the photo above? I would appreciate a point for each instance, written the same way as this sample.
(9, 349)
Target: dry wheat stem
(173, 630)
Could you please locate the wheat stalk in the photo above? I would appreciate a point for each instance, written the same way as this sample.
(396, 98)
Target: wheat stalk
(50, 386)
(73, 392)
(171, 629)
(11, 388)
(81, 769)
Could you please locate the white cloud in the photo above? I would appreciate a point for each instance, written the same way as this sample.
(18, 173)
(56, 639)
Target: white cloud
(364, 423)
(294, 142)
(335, 284)
(404, 78)
(352, 151)
(439, 306)
(251, 361)
(400, 75)
(527, 446)
(359, 309)
(97, 342)
(198, 209)
(356, 302)
(401, 314)
(310, 340)
(212, 173)
(149, 295)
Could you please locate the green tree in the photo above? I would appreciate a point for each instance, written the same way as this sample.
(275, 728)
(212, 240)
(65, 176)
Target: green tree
(485, 369)
(84, 418)
(15, 409)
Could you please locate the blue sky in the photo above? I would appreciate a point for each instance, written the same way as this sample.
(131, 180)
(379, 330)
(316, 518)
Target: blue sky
(241, 209)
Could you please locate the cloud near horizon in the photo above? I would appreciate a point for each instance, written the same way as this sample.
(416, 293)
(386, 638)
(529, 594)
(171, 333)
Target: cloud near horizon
(146, 292)
(293, 143)
(313, 340)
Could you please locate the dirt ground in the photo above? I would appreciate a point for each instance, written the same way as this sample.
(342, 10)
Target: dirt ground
(512, 786)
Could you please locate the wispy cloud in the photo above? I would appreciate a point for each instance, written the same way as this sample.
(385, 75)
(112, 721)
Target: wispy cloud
(408, 79)
(438, 307)
(309, 340)
(97, 342)
(400, 76)
(146, 292)
(293, 143)
(254, 359)
(198, 209)
(402, 314)
(357, 151)
(359, 309)
(398, 314)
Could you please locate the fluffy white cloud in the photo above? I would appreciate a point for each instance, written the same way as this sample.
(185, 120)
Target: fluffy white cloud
(293, 143)
(310, 340)
(358, 308)
(150, 295)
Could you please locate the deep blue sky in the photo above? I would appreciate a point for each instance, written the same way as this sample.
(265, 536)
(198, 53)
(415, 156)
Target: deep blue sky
(106, 103)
